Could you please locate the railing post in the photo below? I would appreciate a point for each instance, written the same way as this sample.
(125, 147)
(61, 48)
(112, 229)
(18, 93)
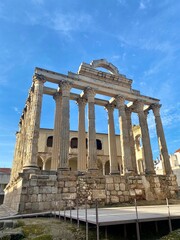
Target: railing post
(137, 221)
(97, 221)
(86, 220)
(77, 206)
(70, 214)
(169, 217)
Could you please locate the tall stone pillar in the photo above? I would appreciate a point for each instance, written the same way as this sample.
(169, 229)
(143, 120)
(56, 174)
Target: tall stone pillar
(64, 134)
(131, 140)
(161, 139)
(92, 153)
(82, 159)
(124, 137)
(14, 169)
(57, 131)
(34, 125)
(112, 140)
(26, 127)
(149, 168)
(23, 139)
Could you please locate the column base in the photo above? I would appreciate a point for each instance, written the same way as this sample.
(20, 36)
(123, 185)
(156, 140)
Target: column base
(150, 172)
(94, 171)
(114, 173)
(129, 173)
(29, 167)
(63, 169)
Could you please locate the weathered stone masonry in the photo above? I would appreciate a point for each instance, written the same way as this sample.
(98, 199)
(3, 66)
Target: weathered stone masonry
(31, 189)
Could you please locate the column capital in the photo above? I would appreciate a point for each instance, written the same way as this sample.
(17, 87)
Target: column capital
(65, 87)
(128, 110)
(109, 107)
(38, 78)
(120, 101)
(28, 103)
(81, 101)
(17, 133)
(139, 104)
(57, 95)
(90, 94)
(156, 109)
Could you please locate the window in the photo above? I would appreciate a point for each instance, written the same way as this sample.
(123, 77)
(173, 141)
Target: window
(74, 142)
(98, 144)
(50, 141)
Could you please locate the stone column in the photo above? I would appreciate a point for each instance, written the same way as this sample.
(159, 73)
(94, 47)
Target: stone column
(26, 126)
(14, 169)
(104, 168)
(124, 137)
(64, 134)
(149, 168)
(112, 140)
(131, 140)
(82, 159)
(57, 131)
(161, 139)
(23, 146)
(34, 125)
(92, 153)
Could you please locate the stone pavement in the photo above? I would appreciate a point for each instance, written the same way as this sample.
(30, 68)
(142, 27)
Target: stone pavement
(6, 211)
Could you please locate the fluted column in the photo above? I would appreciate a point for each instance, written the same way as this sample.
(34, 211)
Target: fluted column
(124, 137)
(131, 140)
(26, 126)
(92, 153)
(149, 168)
(112, 140)
(64, 134)
(14, 169)
(161, 139)
(57, 131)
(23, 146)
(82, 159)
(33, 131)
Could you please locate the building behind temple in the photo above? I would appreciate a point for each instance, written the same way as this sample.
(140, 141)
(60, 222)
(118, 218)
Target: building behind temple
(45, 148)
(44, 174)
(175, 165)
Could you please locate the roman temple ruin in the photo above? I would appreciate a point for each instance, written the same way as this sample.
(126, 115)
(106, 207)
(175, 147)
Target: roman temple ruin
(35, 188)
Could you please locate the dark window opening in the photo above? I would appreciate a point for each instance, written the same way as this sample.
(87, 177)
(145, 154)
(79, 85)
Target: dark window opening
(50, 141)
(86, 143)
(98, 144)
(74, 142)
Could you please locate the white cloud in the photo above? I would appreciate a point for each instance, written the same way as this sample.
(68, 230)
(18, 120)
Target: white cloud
(67, 23)
(142, 5)
(16, 110)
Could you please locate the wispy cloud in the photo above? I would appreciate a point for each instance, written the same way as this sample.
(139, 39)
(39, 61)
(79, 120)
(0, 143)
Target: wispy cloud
(67, 23)
(142, 5)
(16, 110)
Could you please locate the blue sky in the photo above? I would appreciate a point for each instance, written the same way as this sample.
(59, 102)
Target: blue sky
(140, 37)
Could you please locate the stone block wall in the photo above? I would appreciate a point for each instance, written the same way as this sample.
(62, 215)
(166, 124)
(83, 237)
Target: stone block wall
(48, 190)
(13, 195)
